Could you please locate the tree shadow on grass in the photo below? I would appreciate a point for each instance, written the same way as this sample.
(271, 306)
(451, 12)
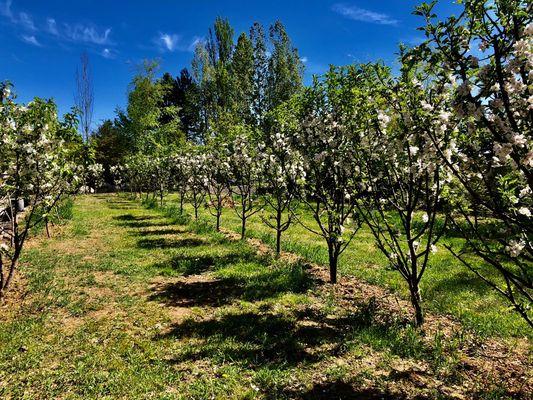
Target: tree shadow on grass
(199, 293)
(340, 390)
(141, 221)
(215, 292)
(131, 217)
(255, 339)
(164, 243)
(161, 232)
(193, 265)
(266, 337)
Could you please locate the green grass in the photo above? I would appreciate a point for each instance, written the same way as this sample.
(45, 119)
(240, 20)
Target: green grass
(130, 302)
(447, 286)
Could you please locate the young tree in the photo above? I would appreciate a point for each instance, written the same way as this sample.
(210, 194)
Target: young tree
(492, 160)
(37, 159)
(327, 142)
(197, 180)
(218, 172)
(283, 174)
(245, 174)
(84, 96)
(402, 175)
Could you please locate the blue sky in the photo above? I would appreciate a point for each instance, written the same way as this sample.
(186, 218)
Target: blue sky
(41, 41)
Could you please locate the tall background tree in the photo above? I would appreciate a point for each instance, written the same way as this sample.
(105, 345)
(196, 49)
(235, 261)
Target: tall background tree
(84, 96)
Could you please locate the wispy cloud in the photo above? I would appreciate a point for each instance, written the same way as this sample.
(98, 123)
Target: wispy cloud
(81, 33)
(31, 39)
(169, 41)
(174, 42)
(304, 60)
(23, 19)
(360, 14)
(87, 34)
(26, 21)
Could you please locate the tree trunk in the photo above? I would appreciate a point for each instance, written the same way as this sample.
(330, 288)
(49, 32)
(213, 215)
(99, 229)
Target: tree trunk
(1, 277)
(218, 220)
(333, 261)
(47, 228)
(278, 231)
(243, 227)
(416, 301)
(181, 203)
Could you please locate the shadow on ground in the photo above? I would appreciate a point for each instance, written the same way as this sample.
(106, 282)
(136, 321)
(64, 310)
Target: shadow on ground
(339, 390)
(199, 293)
(164, 243)
(186, 265)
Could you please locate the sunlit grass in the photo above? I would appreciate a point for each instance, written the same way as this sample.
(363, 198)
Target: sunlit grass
(447, 286)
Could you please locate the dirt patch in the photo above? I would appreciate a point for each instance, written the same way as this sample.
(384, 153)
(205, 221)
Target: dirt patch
(15, 297)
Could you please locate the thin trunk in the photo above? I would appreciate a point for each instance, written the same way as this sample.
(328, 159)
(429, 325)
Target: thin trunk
(243, 226)
(333, 261)
(278, 231)
(244, 217)
(416, 301)
(47, 228)
(1, 277)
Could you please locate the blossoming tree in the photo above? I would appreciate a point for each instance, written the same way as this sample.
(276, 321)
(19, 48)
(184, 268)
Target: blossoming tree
(402, 175)
(245, 175)
(37, 154)
(283, 176)
(327, 143)
(217, 173)
(486, 54)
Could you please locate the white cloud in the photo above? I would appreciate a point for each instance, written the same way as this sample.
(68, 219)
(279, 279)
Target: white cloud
(31, 39)
(87, 34)
(83, 33)
(169, 41)
(363, 15)
(174, 42)
(23, 19)
(304, 60)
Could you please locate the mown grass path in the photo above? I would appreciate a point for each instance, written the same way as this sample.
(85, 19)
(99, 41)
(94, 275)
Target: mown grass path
(124, 303)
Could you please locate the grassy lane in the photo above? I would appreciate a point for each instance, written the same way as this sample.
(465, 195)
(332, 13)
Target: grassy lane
(123, 302)
(447, 287)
